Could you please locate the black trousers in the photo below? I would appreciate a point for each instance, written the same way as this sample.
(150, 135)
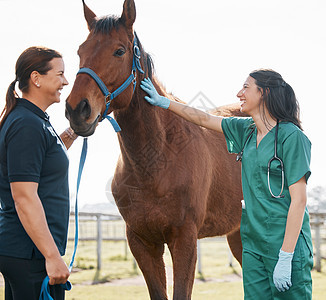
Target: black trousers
(24, 277)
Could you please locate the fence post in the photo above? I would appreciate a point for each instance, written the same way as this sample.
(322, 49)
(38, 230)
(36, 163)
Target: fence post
(317, 243)
(134, 265)
(230, 258)
(99, 241)
(126, 249)
(199, 269)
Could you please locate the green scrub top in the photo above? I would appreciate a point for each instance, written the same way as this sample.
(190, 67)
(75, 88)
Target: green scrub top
(264, 218)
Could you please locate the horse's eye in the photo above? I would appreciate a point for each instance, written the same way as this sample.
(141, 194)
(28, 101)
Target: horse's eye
(119, 52)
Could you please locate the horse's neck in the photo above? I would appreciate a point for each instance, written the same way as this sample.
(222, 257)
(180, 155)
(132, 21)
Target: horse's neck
(143, 131)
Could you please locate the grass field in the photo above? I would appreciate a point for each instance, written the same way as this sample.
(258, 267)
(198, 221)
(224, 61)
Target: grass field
(120, 279)
(217, 277)
(217, 281)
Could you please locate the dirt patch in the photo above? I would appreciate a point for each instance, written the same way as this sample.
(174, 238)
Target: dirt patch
(139, 280)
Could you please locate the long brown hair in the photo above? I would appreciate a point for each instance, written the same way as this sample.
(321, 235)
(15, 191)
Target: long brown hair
(32, 59)
(278, 96)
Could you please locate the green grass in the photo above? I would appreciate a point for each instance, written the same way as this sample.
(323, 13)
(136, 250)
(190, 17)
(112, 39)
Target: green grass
(207, 291)
(217, 281)
(217, 278)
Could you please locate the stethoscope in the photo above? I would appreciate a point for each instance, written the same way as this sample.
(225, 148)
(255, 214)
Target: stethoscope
(274, 158)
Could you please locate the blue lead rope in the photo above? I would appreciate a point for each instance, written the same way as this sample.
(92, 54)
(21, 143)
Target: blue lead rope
(45, 289)
(114, 123)
(80, 171)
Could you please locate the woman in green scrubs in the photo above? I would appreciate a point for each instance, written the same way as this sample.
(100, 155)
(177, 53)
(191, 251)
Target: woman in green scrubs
(277, 249)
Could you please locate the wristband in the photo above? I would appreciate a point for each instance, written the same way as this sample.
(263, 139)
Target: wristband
(71, 134)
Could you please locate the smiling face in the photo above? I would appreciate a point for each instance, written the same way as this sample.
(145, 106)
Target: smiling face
(53, 81)
(250, 97)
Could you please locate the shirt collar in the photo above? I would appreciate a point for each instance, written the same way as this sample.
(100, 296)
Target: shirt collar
(32, 107)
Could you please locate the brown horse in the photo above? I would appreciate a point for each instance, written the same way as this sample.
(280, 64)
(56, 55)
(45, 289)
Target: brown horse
(174, 182)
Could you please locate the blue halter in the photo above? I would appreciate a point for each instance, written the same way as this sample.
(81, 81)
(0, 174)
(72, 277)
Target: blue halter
(110, 96)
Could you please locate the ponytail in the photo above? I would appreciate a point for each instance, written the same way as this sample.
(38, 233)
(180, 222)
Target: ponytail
(11, 101)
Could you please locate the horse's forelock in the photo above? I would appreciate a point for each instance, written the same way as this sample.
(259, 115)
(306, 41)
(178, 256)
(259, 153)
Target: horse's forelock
(105, 24)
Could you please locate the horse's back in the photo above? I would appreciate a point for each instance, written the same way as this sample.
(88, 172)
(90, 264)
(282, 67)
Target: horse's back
(229, 110)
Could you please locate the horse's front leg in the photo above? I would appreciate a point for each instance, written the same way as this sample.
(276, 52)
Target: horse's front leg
(183, 250)
(150, 260)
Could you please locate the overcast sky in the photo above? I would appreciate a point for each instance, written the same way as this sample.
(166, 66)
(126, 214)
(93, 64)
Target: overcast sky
(206, 46)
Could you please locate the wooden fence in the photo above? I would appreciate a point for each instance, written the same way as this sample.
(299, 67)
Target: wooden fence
(318, 228)
(91, 227)
(108, 227)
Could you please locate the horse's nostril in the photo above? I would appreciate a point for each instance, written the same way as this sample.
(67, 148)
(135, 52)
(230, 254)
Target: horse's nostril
(67, 115)
(84, 109)
(80, 114)
(68, 110)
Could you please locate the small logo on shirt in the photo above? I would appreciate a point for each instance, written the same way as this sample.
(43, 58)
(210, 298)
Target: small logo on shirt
(52, 131)
(56, 136)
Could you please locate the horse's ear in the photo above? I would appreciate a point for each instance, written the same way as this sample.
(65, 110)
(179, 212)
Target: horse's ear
(128, 16)
(89, 16)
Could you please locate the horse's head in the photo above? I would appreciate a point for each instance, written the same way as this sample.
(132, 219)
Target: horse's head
(109, 53)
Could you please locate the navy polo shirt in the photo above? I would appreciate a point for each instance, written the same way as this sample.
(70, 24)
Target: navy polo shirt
(31, 151)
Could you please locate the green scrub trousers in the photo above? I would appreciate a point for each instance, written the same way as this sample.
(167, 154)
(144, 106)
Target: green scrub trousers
(264, 218)
(258, 277)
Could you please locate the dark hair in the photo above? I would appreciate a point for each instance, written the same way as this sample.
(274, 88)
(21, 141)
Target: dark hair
(278, 96)
(32, 59)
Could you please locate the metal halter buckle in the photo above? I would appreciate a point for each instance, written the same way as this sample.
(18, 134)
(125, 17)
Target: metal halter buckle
(137, 51)
(107, 99)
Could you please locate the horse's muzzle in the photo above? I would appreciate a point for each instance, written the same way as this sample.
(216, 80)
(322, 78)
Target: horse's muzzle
(78, 118)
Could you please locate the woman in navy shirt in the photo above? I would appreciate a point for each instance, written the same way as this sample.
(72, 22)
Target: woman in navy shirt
(34, 194)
